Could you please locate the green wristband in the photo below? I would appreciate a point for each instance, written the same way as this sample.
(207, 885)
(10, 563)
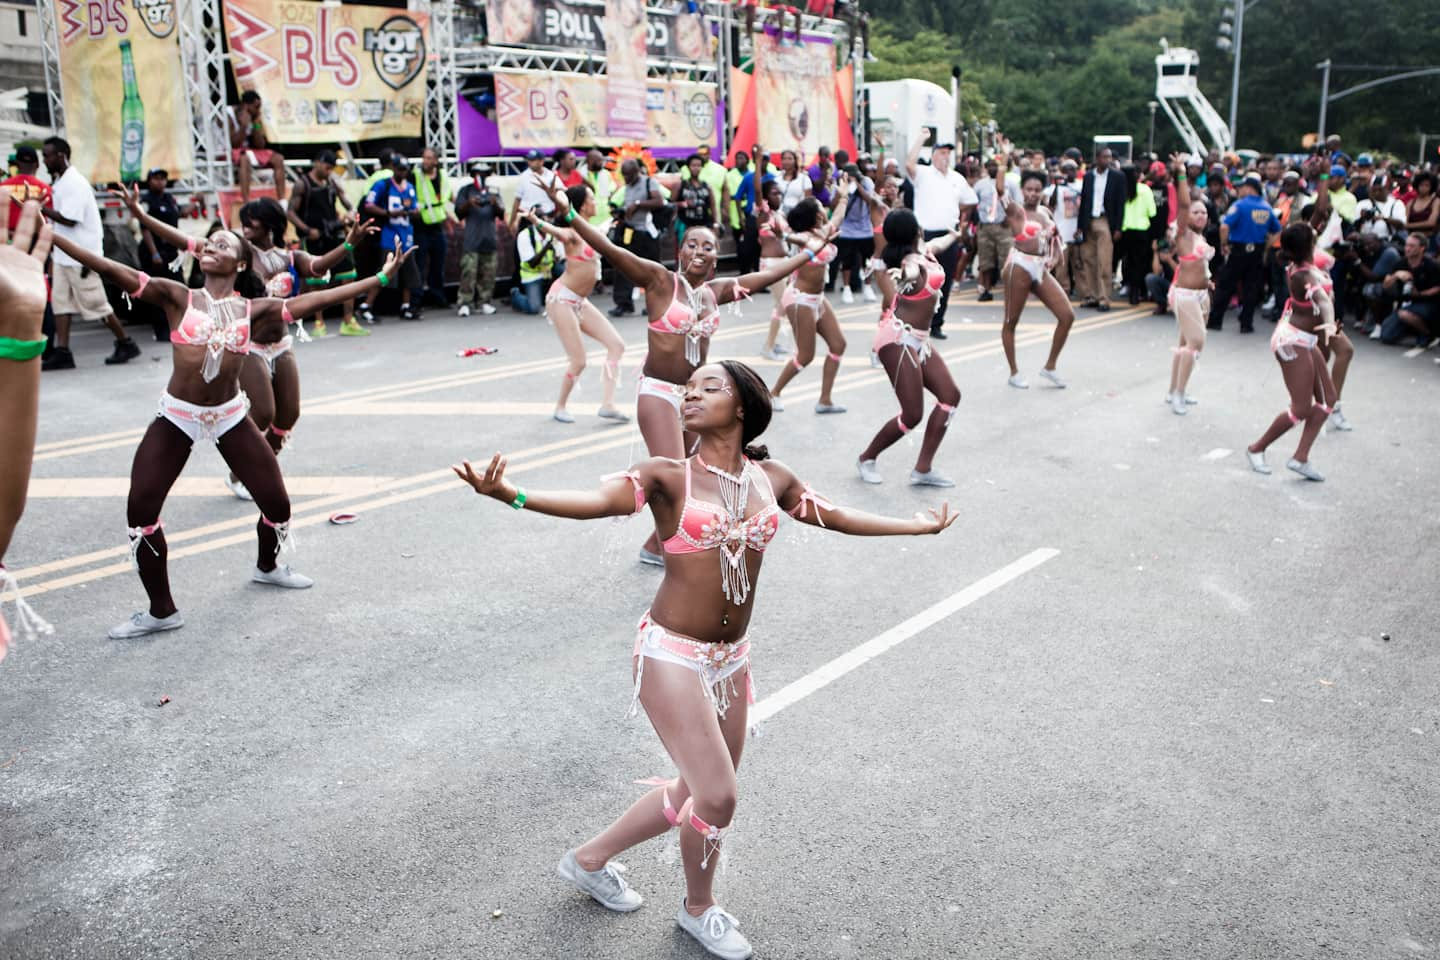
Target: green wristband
(1324, 176)
(519, 502)
(569, 214)
(20, 350)
(384, 278)
(349, 247)
(1180, 178)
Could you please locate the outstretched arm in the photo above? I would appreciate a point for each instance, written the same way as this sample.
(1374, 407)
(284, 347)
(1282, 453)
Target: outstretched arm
(619, 495)
(321, 265)
(943, 243)
(725, 290)
(174, 236)
(913, 160)
(639, 271)
(804, 504)
(156, 290)
(272, 308)
(559, 233)
(1182, 194)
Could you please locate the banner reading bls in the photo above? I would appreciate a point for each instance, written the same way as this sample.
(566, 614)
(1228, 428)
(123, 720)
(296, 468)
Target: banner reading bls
(122, 86)
(555, 109)
(330, 72)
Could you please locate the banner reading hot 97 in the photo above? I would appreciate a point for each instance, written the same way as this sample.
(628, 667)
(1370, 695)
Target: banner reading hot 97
(330, 72)
(122, 87)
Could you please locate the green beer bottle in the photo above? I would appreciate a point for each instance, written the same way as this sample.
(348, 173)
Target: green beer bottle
(132, 120)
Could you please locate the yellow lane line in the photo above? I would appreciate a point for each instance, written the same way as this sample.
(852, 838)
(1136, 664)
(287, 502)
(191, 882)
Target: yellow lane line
(84, 487)
(315, 511)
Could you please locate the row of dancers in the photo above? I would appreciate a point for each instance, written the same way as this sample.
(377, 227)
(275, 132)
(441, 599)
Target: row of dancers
(710, 487)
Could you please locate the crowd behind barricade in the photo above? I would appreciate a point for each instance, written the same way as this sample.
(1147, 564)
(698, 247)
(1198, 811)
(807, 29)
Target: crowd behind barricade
(1376, 216)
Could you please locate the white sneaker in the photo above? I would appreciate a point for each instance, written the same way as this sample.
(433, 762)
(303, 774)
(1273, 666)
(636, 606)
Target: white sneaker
(931, 479)
(142, 624)
(1053, 377)
(1269, 304)
(1257, 462)
(611, 413)
(651, 559)
(846, 296)
(605, 886)
(464, 310)
(1177, 404)
(283, 576)
(564, 416)
(776, 404)
(1337, 421)
(238, 488)
(487, 308)
(717, 932)
(1305, 470)
(870, 295)
(1018, 382)
(1375, 334)
(868, 473)
(829, 408)
(1191, 400)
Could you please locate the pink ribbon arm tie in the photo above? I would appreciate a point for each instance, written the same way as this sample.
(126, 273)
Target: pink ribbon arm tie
(143, 279)
(808, 499)
(288, 317)
(738, 292)
(634, 477)
(192, 247)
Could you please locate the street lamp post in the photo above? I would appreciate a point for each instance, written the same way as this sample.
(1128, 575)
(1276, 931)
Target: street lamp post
(1235, 72)
(1150, 147)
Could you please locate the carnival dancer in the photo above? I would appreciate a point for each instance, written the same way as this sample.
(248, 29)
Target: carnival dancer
(1190, 290)
(912, 283)
(23, 291)
(1035, 251)
(684, 308)
(212, 330)
(569, 310)
(1309, 315)
(805, 303)
(691, 658)
(270, 375)
(772, 231)
(888, 192)
(1337, 349)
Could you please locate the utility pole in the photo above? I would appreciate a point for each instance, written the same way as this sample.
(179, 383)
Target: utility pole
(1235, 72)
(1150, 145)
(1324, 99)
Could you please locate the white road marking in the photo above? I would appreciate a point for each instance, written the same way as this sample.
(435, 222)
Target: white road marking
(1219, 453)
(794, 692)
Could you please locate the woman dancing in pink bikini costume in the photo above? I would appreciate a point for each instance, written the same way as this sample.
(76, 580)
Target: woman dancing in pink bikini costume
(911, 283)
(1190, 291)
(1036, 249)
(684, 307)
(212, 330)
(810, 313)
(1309, 315)
(570, 311)
(691, 658)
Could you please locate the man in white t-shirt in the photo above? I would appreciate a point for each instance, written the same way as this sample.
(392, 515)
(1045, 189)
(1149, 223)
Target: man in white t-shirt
(1063, 198)
(76, 289)
(943, 199)
(529, 193)
(1381, 214)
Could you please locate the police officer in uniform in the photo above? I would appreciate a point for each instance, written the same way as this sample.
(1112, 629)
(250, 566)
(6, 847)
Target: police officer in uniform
(1247, 225)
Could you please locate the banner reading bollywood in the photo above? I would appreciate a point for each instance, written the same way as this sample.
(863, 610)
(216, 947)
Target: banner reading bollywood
(556, 109)
(625, 69)
(671, 31)
(123, 86)
(794, 95)
(328, 72)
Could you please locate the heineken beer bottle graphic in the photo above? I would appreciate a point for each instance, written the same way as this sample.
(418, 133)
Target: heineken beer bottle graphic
(132, 120)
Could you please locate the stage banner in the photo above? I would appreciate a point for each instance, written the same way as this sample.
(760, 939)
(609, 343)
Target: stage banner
(794, 92)
(329, 72)
(559, 109)
(123, 89)
(625, 69)
(580, 25)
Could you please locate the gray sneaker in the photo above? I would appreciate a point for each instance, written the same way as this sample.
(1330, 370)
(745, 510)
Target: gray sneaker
(283, 576)
(931, 479)
(1338, 421)
(564, 416)
(1257, 462)
(1018, 382)
(868, 473)
(829, 408)
(605, 886)
(651, 559)
(142, 624)
(776, 404)
(717, 932)
(1305, 470)
(613, 413)
(1053, 377)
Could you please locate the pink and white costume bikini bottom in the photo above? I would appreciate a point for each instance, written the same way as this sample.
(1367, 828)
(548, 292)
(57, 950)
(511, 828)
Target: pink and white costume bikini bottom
(564, 296)
(716, 664)
(671, 393)
(1286, 338)
(270, 352)
(1188, 295)
(204, 423)
(1034, 264)
(794, 298)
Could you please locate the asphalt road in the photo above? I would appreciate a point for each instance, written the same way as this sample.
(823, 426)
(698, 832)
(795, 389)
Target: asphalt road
(1202, 724)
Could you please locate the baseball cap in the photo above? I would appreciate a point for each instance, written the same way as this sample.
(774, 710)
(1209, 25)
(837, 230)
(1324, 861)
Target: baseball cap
(944, 146)
(1337, 172)
(401, 161)
(533, 154)
(478, 166)
(1157, 168)
(1364, 160)
(1290, 175)
(1253, 181)
(157, 172)
(26, 155)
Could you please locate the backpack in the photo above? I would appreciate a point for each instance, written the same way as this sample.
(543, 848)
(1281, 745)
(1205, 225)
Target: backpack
(662, 216)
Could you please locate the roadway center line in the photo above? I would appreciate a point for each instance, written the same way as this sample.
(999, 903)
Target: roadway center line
(856, 657)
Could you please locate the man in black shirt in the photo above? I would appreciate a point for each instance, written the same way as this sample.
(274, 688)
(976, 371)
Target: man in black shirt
(1416, 284)
(478, 207)
(157, 254)
(322, 228)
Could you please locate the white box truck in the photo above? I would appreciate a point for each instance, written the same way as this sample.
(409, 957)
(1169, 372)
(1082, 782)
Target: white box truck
(902, 110)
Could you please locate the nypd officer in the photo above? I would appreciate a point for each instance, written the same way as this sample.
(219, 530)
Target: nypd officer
(1247, 225)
